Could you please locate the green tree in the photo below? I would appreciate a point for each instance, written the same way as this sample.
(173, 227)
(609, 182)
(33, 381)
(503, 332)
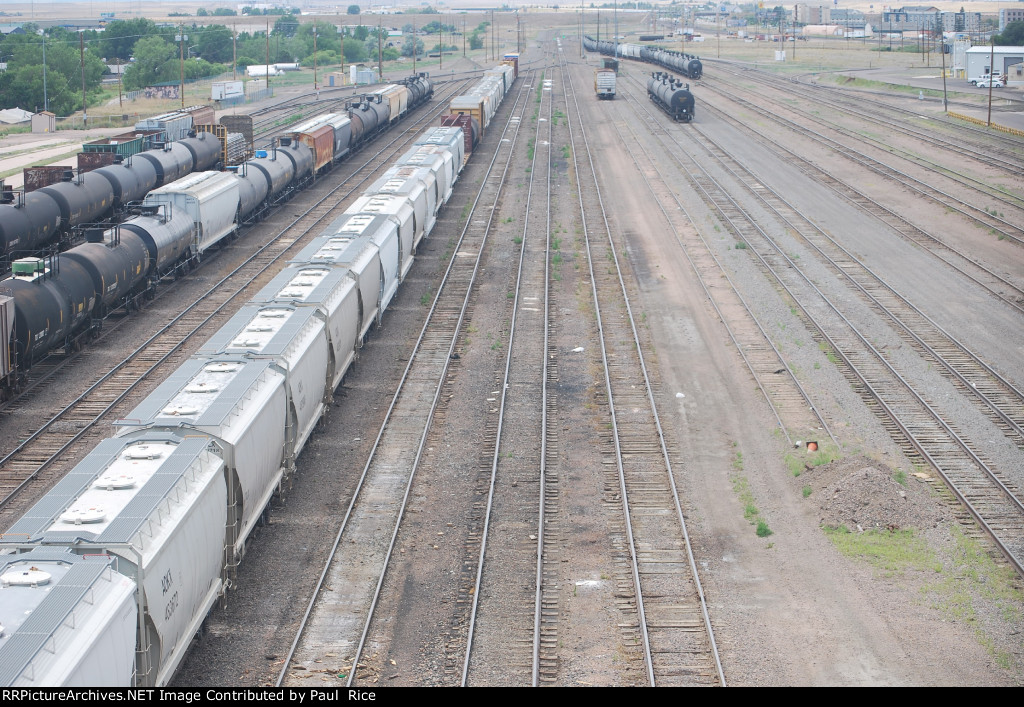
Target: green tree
(353, 10)
(286, 25)
(224, 12)
(213, 43)
(412, 45)
(1012, 36)
(155, 61)
(476, 41)
(120, 36)
(355, 51)
(22, 84)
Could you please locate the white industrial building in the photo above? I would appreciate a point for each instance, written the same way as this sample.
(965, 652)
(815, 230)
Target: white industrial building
(1001, 61)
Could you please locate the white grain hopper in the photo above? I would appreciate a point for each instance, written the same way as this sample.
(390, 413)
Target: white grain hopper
(67, 621)
(295, 338)
(332, 291)
(241, 405)
(210, 198)
(154, 502)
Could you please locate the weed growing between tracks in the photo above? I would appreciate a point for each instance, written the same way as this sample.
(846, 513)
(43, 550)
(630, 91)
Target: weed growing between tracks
(741, 487)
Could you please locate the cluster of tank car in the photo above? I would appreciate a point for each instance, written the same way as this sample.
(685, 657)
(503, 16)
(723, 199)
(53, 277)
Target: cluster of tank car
(30, 221)
(686, 64)
(59, 301)
(671, 95)
(111, 574)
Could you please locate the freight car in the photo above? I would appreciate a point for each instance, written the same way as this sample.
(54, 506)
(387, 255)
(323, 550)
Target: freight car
(474, 109)
(604, 84)
(32, 221)
(60, 301)
(169, 502)
(688, 65)
(671, 95)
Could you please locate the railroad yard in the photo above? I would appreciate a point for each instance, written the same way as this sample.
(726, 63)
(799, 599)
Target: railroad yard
(728, 402)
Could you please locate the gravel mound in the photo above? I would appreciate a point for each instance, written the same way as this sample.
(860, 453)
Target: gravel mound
(862, 494)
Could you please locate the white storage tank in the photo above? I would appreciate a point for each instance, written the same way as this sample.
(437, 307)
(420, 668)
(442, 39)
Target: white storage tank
(238, 405)
(68, 621)
(158, 502)
(295, 338)
(359, 256)
(210, 198)
(400, 212)
(332, 291)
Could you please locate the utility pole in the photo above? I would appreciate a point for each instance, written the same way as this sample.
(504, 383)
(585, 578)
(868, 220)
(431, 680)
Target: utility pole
(794, 32)
(234, 53)
(440, 45)
(991, 76)
(380, 49)
(181, 45)
(316, 85)
(81, 57)
(46, 100)
(945, 104)
(268, 56)
(615, 12)
(120, 99)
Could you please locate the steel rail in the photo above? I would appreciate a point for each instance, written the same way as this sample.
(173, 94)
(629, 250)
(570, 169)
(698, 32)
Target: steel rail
(182, 316)
(762, 386)
(317, 590)
(653, 407)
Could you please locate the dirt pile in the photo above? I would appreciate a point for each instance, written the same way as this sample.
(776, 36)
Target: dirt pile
(862, 493)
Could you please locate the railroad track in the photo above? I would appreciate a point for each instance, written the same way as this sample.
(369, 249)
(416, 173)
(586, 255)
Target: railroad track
(914, 420)
(998, 226)
(40, 457)
(672, 625)
(342, 609)
(796, 413)
(998, 286)
(517, 621)
(992, 149)
(993, 393)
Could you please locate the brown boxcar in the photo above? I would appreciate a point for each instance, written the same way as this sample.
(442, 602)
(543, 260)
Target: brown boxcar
(321, 141)
(470, 129)
(201, 115)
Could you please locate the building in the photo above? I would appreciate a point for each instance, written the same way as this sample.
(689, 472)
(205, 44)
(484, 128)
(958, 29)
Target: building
(1008, 15)
(917, 18)
(44, 122)
(1008, 62)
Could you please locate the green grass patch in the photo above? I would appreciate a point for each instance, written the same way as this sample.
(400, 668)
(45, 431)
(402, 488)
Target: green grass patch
(891, 551)
(798, 462)
(741, 487)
